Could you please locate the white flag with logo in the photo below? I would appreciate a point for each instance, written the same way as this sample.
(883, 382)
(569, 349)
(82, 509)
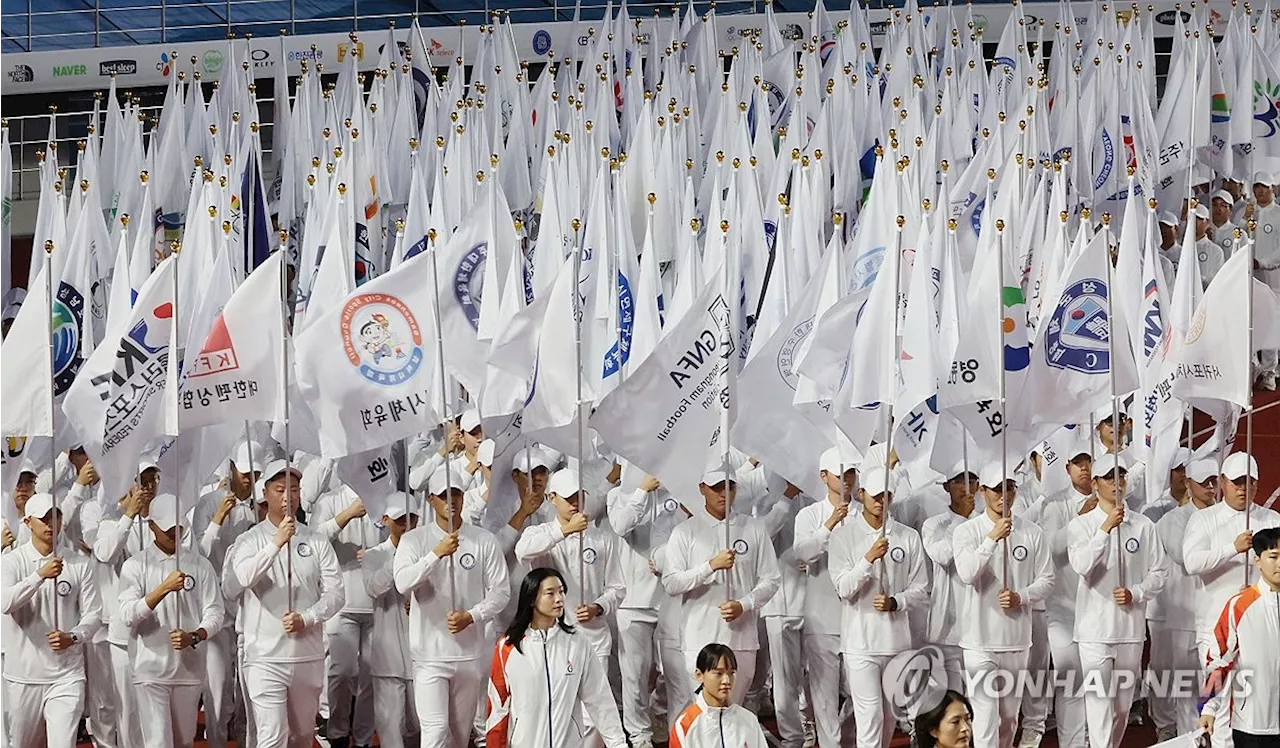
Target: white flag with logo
(235, 375)
(666, 416)
(367, 367)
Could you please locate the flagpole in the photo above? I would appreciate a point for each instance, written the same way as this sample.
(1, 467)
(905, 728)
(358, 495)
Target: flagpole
(444, 404)
(1116, 493)
(53, 431)
(900, 221)
(1248, 422)
(1004, 431)
(732, 301)
(175, 251)
(284, 387)
(577, 353)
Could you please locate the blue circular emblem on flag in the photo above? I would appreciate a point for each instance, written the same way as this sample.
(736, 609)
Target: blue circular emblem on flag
(1020, 553)
(467, 561)
(740, 547)
(468, 282)
(787, 353)
(1132, 545)
(541, 42)
(381, 338)
(68, 318)
(589, 555)
(1078, 332)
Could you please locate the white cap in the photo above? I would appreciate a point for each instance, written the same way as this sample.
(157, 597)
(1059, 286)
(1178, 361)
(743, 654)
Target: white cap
(873, 481)
(717, 475)
(163, 512)
(564, 483)
(1180, 458)
(1168, 218)
(484, 453)
(528, 460)
(39, 505)
(991, 474)
(1202, 471)
(278, 467)
(831, 462)
(1202, 212)
(1237, 464)
(248, 457)
(470, 419)
(1105, 465)
(1224, 196)
(956, 471)
(396, 503)
(444, 479)
(147, 464)
(1263, 177)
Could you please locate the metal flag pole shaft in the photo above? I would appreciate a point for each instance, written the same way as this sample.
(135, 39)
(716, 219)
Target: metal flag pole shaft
(1248, 422)
(888, 444)
(53, 448)
(444, 402)
(1116, 494)
(726, 361)
(1004, 433)
(577, 357)
(284, 398)
(175, 360)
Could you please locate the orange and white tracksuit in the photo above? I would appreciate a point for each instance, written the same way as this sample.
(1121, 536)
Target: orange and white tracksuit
(537, 692)
(1246, 676)
(704, 726)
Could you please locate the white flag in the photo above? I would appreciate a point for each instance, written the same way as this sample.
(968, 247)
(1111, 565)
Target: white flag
(236, 374)
(26, 376)
(366, 367)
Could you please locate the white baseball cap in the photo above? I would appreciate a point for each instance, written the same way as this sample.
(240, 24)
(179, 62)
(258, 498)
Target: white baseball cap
(147, 464)
(38, 506)
(279, 467)
(445, 478)
(1105, 466)
(163, 512)
(992, 474)
(1263, 177)
(874, 481)
(1201, 471)
(248, 457)
(1168, 218)
(396, 503)
(564, 483)
(484, 453)
(1180, 458)
(717, 475)
(1202, 212)
(1237, 464)
(832, 463)
(470, 419)
(1225, 197)
(530, 459)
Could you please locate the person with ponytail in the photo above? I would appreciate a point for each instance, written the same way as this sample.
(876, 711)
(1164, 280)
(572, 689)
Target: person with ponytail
(712, 720)
(544, 673)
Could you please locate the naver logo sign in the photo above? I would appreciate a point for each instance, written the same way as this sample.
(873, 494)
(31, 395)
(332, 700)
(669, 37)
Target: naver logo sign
(65, 71)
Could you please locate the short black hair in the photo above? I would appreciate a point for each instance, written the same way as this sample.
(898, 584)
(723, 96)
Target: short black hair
(710, 656)
(929, 721)
(1266, 540)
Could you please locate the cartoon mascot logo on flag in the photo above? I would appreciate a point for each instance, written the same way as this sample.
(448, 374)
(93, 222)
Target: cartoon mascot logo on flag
(68, 316)
(1079, 331)
(381, 338)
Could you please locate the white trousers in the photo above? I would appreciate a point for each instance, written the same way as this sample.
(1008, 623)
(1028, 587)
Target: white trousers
(1173, 652)
(219, 686)
(679, 683)
(872, 713)
(348, 637)
(446, 695)
(128, 729)
(1114, 671)
(1206, 644)
(995, 716)
(637, 659)
(44, 716)
(168, 714)
(394, 716)
(285, 697)
(786, 654)
(1035, 709)
(742, 680)
(1068, 704)
(823, 674)
(100, 695)
(953, 665)
(246, 704)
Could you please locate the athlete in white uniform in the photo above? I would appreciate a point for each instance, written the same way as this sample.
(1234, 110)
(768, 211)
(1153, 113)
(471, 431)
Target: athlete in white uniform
(783, 615)
(51, 609)
(722, 589)
(1005, 563)
(713, 720)
(1266, 260)
(171, 605)
(947, 599)
(456, 580)
(1216, 547)
(878, 569)
(394, 713)
(814, 526)
(1172, 619)
(1122, 566)
(291, 585)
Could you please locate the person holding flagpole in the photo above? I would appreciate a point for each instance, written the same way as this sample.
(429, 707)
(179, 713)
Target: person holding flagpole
(394, 711)
(292, 583)
(947, 601)
(996, 636)
(1266, 260)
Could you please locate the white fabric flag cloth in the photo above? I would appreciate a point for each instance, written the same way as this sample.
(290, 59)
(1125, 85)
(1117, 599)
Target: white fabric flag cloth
(665, 417)
(366, 367)
(1213, 361)
(462, 285)
(373, 477)
(117, 401)
(236, 374)
(26, 375)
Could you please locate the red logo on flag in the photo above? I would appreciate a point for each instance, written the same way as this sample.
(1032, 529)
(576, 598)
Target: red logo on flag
(218, 355)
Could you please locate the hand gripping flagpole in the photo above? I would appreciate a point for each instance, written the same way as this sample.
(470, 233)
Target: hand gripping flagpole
(1248, 422)
(577, 354)
(444, 402)
(1116, 437)
(284, 397)
(53, 431)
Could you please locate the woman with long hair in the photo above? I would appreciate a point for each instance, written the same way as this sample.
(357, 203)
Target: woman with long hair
(712, 720)
(544, 673)
(947, 725)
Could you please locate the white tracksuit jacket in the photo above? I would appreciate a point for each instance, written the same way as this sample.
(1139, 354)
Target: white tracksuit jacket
(980, 566)
(537, 692)
(480, 587)
(199, 606)
(1176, 603)
(704, 726)
(687, 572)
(1055, 516)
(347, 542)
(27, 602)
(389, 655)
(865, 630)
(812, 540)
(260, 570)
(779, 521)
(946, 599)
(1145, 568)
(1208, 550)
(644, 520)
(1246, 634)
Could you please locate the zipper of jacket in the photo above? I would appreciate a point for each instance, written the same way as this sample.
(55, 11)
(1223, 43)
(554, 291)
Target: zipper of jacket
(722, 745)
(546, 668)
